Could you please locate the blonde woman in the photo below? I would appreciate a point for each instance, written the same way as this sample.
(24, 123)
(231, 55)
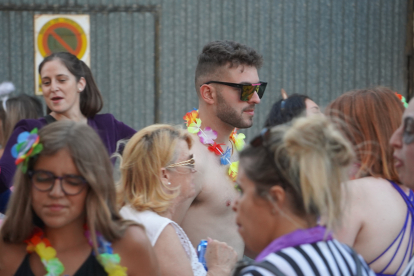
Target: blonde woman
(289, 177)
(157, 171)
(63, 211)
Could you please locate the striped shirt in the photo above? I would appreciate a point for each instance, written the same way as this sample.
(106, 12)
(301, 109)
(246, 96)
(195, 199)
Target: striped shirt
(320, 258)
(409, 270)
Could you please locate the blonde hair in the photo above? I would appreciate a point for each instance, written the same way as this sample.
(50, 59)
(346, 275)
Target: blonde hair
(91, 159)
(149, 150)
(310, 160)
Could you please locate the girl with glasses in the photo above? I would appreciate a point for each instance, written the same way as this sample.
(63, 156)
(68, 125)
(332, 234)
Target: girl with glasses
(288, 178)
(157, 169)
(62, 218)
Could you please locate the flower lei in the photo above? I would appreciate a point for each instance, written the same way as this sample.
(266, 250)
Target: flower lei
(37, 243)
(54, 267)
(402, 99)
(27, 146)
(207, 137)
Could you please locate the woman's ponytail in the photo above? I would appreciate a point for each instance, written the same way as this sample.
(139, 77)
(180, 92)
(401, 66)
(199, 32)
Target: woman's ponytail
(319, 157)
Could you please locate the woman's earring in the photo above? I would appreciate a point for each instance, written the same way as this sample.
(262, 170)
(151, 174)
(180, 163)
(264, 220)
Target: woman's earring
(169, 183)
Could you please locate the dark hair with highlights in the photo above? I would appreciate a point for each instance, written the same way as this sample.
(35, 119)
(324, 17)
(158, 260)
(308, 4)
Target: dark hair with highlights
(91, 101)
(220, 53)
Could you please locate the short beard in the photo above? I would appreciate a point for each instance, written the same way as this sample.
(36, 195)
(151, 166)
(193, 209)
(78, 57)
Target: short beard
(228, 115)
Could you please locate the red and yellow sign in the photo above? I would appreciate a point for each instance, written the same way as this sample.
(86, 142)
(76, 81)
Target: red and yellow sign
(60, 33)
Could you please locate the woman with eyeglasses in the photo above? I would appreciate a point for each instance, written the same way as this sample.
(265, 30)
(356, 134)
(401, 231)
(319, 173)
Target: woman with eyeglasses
(157, 169)
(70, 93)
(62, 218)
(288, 178)
(378, 221)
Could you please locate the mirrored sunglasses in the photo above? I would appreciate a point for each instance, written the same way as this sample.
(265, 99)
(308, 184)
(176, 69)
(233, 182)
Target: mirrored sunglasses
(247, 90)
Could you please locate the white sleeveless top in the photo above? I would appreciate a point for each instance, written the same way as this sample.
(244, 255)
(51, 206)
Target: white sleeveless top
(154, 224)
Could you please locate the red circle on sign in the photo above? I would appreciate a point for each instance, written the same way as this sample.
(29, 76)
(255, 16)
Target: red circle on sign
(51, 31)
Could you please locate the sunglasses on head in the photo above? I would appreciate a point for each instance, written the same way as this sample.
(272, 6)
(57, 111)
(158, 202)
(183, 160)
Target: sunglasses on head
(247, 90)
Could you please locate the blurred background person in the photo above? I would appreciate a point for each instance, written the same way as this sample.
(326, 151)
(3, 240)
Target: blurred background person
(378, 221)
(62, 218)
(157, 170)
(13, 110)
(289, 107)
(288, 178)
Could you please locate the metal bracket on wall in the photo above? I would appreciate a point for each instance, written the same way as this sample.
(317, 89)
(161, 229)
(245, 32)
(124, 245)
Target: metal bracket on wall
(154, 9)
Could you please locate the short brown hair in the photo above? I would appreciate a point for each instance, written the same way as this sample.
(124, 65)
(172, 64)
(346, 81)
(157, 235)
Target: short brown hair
(369, 117)
(222, 52)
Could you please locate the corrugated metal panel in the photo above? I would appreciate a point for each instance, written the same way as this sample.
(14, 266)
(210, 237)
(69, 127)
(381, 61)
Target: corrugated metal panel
(321, 48)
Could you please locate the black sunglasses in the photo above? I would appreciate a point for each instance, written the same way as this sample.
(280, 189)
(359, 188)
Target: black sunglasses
(247, 90)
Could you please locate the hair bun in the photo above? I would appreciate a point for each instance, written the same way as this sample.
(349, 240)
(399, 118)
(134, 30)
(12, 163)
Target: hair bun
(317, 135)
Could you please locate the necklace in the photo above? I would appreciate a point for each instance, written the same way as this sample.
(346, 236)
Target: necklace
(54, 267)
(207, 137)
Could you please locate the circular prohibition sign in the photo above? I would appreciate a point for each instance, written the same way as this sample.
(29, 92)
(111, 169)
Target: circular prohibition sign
(62, 34)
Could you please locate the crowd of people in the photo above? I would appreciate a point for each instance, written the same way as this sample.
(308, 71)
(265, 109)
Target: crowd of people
(314, 193)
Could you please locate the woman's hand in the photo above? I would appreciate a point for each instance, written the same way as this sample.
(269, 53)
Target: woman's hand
(220, 258)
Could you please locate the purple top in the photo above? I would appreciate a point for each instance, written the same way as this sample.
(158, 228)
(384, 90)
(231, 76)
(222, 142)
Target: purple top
(108, 128)
(295, 238)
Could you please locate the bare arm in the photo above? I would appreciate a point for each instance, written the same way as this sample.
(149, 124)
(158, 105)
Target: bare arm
(137, 253)
(171, 256)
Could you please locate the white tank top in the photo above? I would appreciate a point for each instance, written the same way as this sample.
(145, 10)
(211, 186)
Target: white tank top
(154, 224)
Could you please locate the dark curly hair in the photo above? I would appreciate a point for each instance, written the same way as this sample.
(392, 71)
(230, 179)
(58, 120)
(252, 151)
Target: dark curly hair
(222, 52)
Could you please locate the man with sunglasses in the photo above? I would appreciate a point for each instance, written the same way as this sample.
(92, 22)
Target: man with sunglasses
(228, 89)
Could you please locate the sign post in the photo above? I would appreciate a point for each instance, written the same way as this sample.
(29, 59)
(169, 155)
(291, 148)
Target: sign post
(60, 33)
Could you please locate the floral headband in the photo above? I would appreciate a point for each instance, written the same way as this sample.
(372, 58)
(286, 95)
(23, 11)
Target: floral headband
(27, 146)
(402, 99)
